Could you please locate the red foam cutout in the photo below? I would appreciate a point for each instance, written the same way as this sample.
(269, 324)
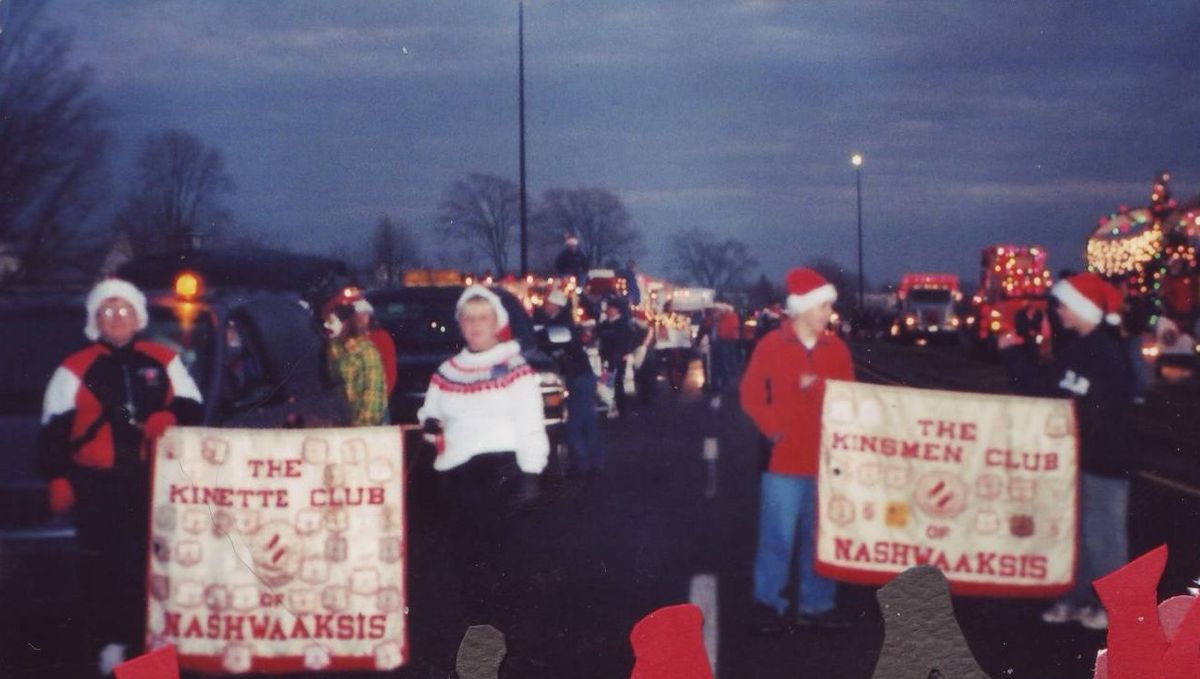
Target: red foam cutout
(161, 663)
(669, 644)
(1147, 640)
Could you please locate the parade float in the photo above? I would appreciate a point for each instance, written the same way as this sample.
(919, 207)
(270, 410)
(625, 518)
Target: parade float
(1150, 253)
(1012, 278)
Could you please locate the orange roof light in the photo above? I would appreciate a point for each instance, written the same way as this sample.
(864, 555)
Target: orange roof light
(188, 285)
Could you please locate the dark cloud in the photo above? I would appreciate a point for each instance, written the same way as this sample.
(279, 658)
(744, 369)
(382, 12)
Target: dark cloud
(980, 122)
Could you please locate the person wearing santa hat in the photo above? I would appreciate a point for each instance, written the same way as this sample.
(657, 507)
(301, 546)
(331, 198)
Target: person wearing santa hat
(485, 405)
(104, 407)
(1095, 373)
(782, 391)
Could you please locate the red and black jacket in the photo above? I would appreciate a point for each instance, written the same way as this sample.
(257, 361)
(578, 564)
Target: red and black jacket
(99, 399)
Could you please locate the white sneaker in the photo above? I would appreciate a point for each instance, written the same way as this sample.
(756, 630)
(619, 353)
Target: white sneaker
(1092, 617)
(111, 656)
(1060, 613)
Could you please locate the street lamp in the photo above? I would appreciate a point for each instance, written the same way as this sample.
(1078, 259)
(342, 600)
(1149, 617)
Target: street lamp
(857, 160)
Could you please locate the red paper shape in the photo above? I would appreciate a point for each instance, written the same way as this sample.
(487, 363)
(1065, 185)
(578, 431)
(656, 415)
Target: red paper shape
(1146, 640)
(669, 644)
(161, 663)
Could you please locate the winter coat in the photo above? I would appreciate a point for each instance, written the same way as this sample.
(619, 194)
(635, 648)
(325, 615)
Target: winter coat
(1095, 373)
(488, 402)
(616, 339)
(572, 263)
(783, 391)
(99, 399)
(571, 358)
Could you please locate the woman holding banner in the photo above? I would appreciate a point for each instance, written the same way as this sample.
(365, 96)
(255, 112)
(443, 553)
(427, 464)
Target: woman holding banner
(105, 405)
(484, 408)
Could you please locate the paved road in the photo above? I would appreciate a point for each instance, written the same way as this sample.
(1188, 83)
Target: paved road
(661, 528)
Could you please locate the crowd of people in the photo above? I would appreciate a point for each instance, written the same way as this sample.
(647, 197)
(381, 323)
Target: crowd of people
(483, 412)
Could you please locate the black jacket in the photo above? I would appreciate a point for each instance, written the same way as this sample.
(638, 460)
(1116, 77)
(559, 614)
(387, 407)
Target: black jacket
(616, 339)
(1095, 373)
(572, 263)
(572, 358)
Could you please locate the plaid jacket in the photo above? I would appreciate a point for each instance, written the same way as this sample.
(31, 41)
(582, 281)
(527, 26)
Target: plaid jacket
(357, 364)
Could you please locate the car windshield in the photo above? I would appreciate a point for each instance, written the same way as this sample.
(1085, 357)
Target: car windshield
(33, 344)
(187, 329)
(420, 320)
(929, 296)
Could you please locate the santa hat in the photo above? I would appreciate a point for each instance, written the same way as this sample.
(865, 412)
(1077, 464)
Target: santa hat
(490, 297)
(572, 240)
(107, 289)
(557, 297)
(1089, 297)
(806, 290)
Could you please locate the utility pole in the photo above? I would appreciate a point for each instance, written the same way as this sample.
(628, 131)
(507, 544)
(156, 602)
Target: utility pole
(521, 103)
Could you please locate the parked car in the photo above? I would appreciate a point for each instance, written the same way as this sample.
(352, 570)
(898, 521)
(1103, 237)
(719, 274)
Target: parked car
(421, 321)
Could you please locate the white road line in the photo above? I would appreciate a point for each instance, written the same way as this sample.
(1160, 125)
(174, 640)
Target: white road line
(1181, 487)
(703, 593)
(712, 451)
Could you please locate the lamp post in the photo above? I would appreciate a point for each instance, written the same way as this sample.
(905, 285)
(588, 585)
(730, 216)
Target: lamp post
(857, 160)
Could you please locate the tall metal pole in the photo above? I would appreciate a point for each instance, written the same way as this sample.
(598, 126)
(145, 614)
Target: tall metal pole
(858, 191)
(521, 100)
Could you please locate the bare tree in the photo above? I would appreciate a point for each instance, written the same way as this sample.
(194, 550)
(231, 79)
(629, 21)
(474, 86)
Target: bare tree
(52, 151)
(393, 249)
(486, 209)
(177, 201)
(712, 263)
(596, 216)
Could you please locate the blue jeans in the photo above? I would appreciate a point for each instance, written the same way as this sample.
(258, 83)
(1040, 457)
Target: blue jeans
(583, 428)
(787, 513)
(1103, 543)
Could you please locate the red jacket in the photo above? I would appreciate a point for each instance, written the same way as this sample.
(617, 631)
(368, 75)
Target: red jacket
(775, 395)
(728, 326)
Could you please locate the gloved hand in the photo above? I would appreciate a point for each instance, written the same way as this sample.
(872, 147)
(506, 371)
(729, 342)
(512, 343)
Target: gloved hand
(431, 430)
(61, 495)
(529, 490)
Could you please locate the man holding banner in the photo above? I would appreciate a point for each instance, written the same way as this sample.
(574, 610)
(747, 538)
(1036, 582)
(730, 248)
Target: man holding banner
(1094, 373)
(782, 391)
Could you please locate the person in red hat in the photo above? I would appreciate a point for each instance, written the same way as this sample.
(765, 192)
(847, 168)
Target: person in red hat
(782, 390)
(1095, 373)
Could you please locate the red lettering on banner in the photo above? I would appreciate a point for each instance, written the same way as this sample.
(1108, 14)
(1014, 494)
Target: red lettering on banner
(985, 563)
(299, 631)
(963, 565)
(346, 497)
(1028, 461)
(378, 626)
(948, 429)
(277, 632)
(194, 629)
(171, 626)
(840, 441)
(263, 498)
(233, 627)
(275, 468)
(324, 626)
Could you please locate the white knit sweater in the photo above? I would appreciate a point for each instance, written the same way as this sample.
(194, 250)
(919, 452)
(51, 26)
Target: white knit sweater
(488, 402)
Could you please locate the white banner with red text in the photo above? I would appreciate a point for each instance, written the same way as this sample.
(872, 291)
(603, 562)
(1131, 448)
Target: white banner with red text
(982, 486)
(279, 550)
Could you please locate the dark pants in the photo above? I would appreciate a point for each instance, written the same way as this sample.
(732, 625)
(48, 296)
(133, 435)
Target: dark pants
(582, 427)
(481, 499)
(111, 521)
(677, 366)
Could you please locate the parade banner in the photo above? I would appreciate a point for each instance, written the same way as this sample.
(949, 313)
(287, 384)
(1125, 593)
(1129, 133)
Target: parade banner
(279, 550)
(982, 486)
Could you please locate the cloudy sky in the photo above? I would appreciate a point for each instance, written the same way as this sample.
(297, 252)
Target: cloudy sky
(981, 122)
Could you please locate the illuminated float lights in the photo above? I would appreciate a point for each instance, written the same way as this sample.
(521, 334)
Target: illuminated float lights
(1112, 258)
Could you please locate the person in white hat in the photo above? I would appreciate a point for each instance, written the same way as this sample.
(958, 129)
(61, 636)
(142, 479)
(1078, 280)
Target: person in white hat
(486, 404)
(782, 391)
(103, 409)
(369, 327)
(1095, 373)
